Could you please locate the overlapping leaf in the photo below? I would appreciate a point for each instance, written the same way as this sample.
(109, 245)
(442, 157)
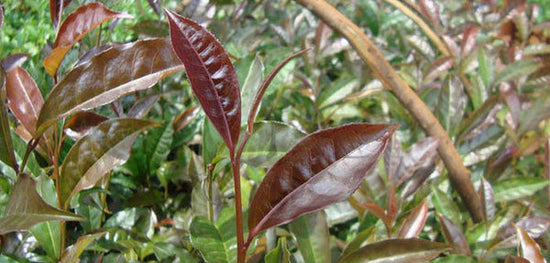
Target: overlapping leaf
(102, 79)
(313, 237)
(454, 235)
(396, 251)
(213, 241)
(82, 122)
(75, 27)
(101, 149)
(56, 9)
(529, 249)
(26, 208)
(6, 146)
(211, 75)
(24, 97)
(516, 188)
(415, 221)
(142, 106)
(324, 168)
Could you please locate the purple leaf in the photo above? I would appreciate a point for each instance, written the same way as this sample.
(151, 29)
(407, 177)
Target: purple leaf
(454, 235)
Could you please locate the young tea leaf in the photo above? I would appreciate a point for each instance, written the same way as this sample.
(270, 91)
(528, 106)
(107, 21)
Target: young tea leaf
(211, 74)
(24, 98)
(324, 168)
(75, 27)
(528, 248)
(102, 80)
(94, 155)
(415, 221)
(396, 251)
(26, 208)
(454, 235)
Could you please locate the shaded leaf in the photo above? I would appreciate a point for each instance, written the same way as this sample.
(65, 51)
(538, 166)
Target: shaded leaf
(312, 236)
(158, 144)
(451, 104)
(487, 200)
(6, 146)
(279, 253)
(397, 251)
(81, 122)
(102, 80)
(417, 156)
(468, 40)
(56, 9)
(94, 155)
(156, 6)
(211, 75)
(13, 61)
(185, 117)
(517, 69)
(72, 253)
(430, 10)
(326, 166)
(515, 259)
(24, 98)
(358, 240)
(26, 208)
(445, 205)
(437, 68)
(528, 248)
(455, 259)
(142, 107)
(251, 85)
(415, 221)
(519, 187)
(539, 111)
(151, 28)
(392, 157)
(454, 235)
(75, 27)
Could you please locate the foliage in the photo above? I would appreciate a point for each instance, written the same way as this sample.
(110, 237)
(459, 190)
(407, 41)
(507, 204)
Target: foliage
(133, 134)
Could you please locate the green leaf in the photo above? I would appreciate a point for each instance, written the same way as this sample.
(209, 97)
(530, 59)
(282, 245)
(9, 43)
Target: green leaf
(73, 252)
(445, 205)
(313, 237)
(102, 80)
(211, 142)
(6, 146)
(279, 253)
(359, 240)
(26, 208)
(451, 105)
(337, 91)
(104, 147)
(396, 251)
(211, 241)
(516, 188)
(48, 234)
(517, 69)
(455, 259)
(251, 86)
(158, 144)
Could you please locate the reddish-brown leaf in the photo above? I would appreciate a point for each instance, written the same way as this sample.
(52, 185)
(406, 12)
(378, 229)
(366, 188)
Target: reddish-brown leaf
(75, 27)
(211, 74)
(437, 68)
(13, 61)
(102, 79)
(142, 106)
(487, 200)
(528, 248)
(24, 98)
(391, 205)
(56, 9)
(430, 10)
(396, 251)
(376, 210)
(6, 146)
(415, 221)
(454, 235)
(82, 122)
(515, 259)
(469, 40)
(185, 118)
(323, 168)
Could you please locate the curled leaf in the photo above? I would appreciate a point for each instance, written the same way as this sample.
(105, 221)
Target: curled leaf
(13, 61)
(211, 74)
(75, 27)
(7, 155)
(142, 106)
(102, 80)
(323, 168)
(56, 8)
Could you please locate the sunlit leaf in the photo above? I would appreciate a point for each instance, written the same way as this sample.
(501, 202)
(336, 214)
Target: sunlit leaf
(451, 105)
(415, 221)
(102, 80)
(528, 248)
(397, 251)
(454, 235)
(26, 208)
(142, 107)
(326, 167)
(519, 187)
(251, 85)
(81, 122)
(487, 200)
(94, 155)
(468, 40)
(24, 97)
(75, 27)
(211, 75)
(312, 236)
(72, 253)
(6, 146)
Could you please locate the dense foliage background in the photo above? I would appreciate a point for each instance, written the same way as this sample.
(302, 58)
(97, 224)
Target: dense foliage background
(173, 199)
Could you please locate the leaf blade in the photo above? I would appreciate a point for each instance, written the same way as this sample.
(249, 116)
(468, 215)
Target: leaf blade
(397, 251)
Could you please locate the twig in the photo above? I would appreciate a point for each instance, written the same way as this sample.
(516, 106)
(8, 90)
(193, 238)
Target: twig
(459, 175)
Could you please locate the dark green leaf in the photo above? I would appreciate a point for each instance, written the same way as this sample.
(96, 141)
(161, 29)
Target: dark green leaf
(26, 208)
(396, 251)
(313, 237)
(211, 241)
(359, 240)
(158, 144)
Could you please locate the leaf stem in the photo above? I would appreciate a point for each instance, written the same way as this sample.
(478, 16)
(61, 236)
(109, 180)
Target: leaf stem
(30, 146)
(241, 249)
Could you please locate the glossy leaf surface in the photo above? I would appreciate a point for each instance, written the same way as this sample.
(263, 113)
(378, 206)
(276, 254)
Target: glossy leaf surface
(142, 107)
(13, 61)
(26, 208)
(24, 98)
(81, 122)
(529, 249)
(6, 146)
(101, 149)
(396, 251)
(415, 221)
(72, 253)
(102, 80)
(313, 237)
(56, 9)
(75, 27)
(157, 146)
(211, 75)
(323, 168)
(454, 235)
(48, 234)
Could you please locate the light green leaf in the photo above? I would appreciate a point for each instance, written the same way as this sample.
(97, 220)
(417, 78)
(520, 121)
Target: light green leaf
(104, 147)
(454, 259)
(26, 208)
(451, 104)
(251, 86)
(517, 69)
(516, 188)
(279, 253)
(313, 237)
(157, 145)
(396, 251)
(211, 241)
(444, 205)
(48, 234)
(212, 141)
(337, 91)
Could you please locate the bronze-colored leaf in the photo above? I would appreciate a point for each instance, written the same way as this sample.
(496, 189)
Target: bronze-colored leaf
(515, 259)
(75, 27)
(430, 10)
(94, 155)
(24, 98)
(528, 248)
(454, 236)
(324, 168)
(102, 80)
(142, 106)
(82, 122)
(415, 221)
(185, 118)
(469, 40)
(56, 9)
(26, 208)
(13, 61)
(487, 200)
(437, 68)
(72, 253)
(396, 251)
(7, 155)
(211, 74)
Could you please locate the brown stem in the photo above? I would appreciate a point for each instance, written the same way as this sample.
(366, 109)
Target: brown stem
(241, 250)
(459, 175)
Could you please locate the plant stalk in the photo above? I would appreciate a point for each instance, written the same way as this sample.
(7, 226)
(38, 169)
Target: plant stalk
(459, 175)
(235, 165)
